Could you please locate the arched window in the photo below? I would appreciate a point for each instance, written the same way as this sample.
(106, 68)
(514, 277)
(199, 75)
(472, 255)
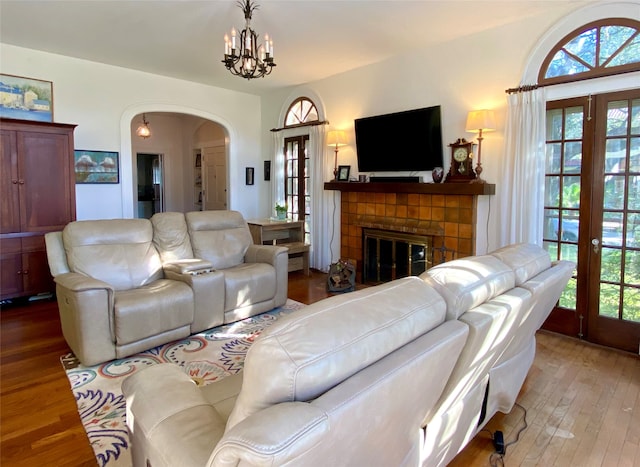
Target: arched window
(301, 111)
(602, 48)
(297, 186)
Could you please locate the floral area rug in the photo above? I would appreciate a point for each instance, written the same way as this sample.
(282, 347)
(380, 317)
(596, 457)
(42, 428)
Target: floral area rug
(206, 357)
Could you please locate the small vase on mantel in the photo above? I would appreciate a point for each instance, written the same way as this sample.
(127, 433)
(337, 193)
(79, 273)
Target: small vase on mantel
(437, 174)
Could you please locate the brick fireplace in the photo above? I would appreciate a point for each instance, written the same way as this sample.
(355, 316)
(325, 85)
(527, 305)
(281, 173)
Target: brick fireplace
(446, 212)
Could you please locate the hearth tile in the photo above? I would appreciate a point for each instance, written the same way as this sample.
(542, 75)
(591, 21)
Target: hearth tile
(465, 231)
(437, 200)
(451, 214)
(425, 212)
(379, 198)
(380, 209)
(390, 198)
(370, 209)
(413, 212)
(402, 198)
(452, 201)
(451, 229)
(466, 201)
(425, 200)
(466, 216)
(390, 210)
(401, 211)
(465, 247)
(413, 199)
(437, 214)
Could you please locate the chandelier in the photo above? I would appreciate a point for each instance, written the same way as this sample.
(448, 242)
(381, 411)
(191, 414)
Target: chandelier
(249, 60)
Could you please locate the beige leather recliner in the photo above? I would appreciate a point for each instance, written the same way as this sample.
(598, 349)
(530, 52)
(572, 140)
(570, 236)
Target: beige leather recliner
(128, 285)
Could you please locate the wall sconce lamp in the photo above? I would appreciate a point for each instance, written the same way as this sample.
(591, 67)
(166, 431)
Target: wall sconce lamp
(143, 130)
(336, 139)
(477, 122)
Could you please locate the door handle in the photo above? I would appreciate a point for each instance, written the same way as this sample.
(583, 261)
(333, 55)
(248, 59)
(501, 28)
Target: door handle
(596, 245)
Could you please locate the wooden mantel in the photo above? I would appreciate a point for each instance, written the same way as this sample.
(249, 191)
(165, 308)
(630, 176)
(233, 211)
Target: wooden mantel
(426, 188)
(445, 211)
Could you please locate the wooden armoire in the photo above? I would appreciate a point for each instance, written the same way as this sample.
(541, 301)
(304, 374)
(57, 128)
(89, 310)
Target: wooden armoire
(37, 195)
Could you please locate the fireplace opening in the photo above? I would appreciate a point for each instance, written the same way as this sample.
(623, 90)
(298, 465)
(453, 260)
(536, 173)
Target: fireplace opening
(391, 255)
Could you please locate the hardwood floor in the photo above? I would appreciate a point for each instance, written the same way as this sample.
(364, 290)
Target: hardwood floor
(582, 400)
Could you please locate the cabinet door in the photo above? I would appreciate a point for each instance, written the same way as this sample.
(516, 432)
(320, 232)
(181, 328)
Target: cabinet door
(9, 201)
(10, 267)
(43, 164)
(36, 277)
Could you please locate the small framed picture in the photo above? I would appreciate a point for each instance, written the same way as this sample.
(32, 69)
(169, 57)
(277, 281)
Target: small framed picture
(248, 176)
(343, 173)
(96, 166)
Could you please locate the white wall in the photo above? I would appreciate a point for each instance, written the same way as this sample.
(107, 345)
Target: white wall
(102, 100)
(462, 75)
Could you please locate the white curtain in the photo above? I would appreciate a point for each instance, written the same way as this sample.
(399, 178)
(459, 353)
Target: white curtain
(321, 218)
(321, 228)
(522, 186)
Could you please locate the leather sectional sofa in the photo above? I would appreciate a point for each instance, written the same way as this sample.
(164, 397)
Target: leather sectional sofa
(128, 285)
(404, 373)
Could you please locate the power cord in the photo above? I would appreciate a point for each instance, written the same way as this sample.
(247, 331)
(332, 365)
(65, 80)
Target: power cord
(496, 459)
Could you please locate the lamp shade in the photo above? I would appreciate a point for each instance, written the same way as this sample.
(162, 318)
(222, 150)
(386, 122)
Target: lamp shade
(480, 120)
(336, 138)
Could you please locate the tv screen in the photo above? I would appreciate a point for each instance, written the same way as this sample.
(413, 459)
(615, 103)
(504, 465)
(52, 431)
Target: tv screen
(406, 141)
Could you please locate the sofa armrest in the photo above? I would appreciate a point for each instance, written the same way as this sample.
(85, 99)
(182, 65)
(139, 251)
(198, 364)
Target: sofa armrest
(188, 266)
(276, 435)
(265, 254)
(208, 294)
(86, 316)
(169, 420)
(278, 257)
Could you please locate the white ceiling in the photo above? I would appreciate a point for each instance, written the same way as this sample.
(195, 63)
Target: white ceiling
(312, 39)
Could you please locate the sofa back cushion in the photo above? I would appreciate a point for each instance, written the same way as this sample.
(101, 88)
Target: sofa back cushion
(171, 236)
(325, 343)
(466, 283)
(526, 259)
(221, 237)
(119, 252)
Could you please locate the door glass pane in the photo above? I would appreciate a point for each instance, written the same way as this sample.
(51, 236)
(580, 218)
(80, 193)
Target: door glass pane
(569, 252)
(551, 224)
(571, 192)
(634, 157)
(633, 230)
(573, 123)
(632, 268)
(634, 193)
(573, 157)
(554, 155)
(612, 225)
(614, 192)
(570, 226)
(610, 265)
(552, 191)
(609, 300)
(617, 118)
(569, 294)
(631, 310)
(554, 125)
(615, 155)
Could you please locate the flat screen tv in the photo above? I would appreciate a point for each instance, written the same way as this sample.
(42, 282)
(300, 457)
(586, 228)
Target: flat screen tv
(406, 141)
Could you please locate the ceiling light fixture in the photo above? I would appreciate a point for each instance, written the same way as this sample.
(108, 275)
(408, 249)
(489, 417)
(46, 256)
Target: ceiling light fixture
(249, 61)
(143, 130)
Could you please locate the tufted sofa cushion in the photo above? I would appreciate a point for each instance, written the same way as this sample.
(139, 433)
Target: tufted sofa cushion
(311, 354)
(119, 252)
(466, 283)
(221, 237)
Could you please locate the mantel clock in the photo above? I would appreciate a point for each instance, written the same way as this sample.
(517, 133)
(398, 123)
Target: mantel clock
(461, 169)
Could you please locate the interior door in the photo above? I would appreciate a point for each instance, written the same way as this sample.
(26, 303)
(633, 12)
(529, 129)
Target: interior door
(614, 283)
(214, 195)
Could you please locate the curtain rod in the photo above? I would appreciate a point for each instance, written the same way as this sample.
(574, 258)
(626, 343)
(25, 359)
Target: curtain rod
(323, 122)
(523, 88)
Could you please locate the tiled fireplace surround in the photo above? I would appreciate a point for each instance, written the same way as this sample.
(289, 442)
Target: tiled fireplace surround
(446, 212)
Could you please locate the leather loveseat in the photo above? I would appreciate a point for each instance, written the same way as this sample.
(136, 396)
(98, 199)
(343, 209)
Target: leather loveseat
(127, 285)
(404, 373)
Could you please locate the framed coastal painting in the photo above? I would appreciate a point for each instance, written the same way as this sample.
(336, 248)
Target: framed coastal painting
(26, 98)
(96, 166)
